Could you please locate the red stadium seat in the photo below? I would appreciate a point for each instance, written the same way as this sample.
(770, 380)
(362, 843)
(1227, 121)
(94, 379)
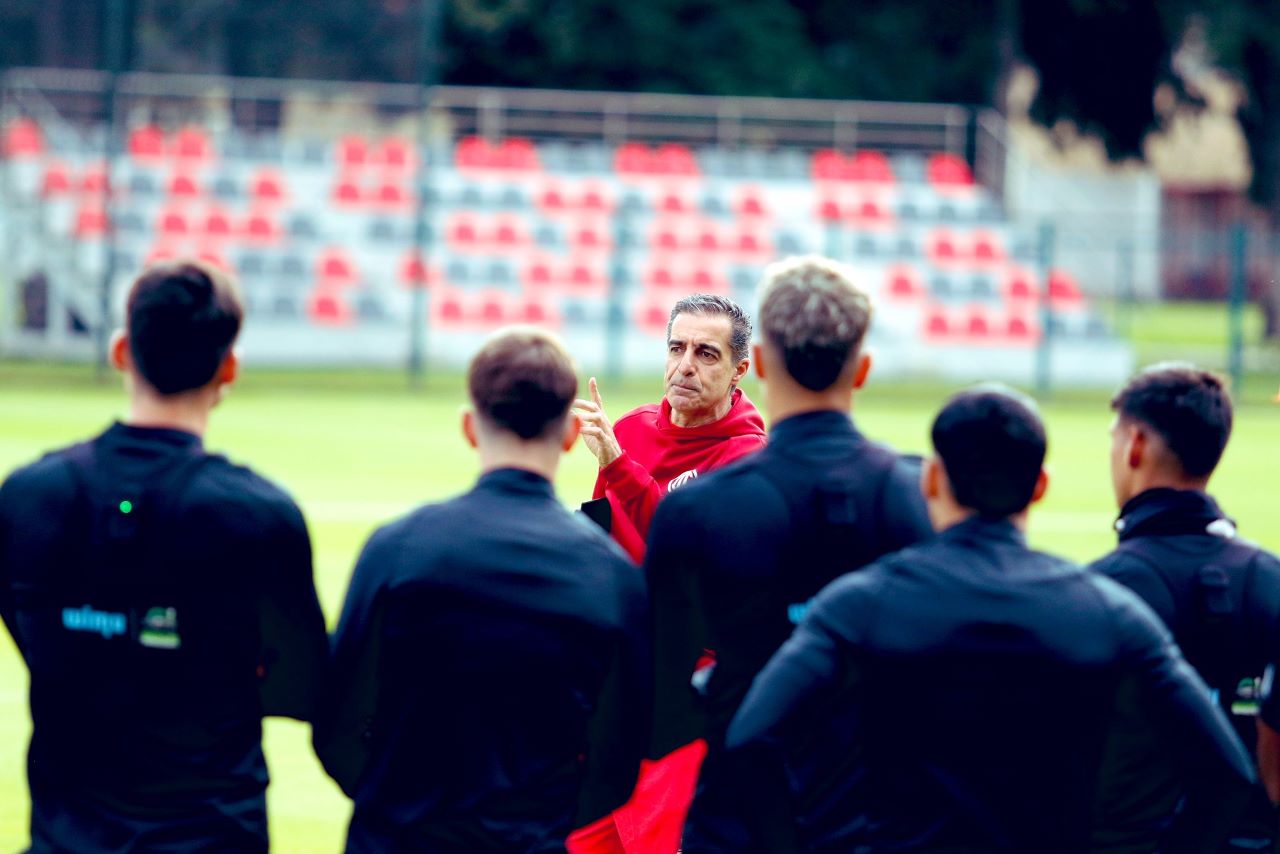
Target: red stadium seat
(212, 256)
(869, 166)
(653, 319)
(978, 324)
(936, 323)
(392, 194)
(949, 170)
(903, 284)
(346, 192)
(146, 143)
(751, 203)
(986, 247)
(94, 180)
(552, 199)
(673, 203)
(708, 238)
(160, 253)
(464, 232)
(942, 247)
(56, 181)
(173, 222)
(751, 243)
(414, 272)
(594, 199)
(582, 274)
(666, 238)
(352, 151)
(91, 221)
(451, 310)
(517, 153)
(675, 159)
(870, 212)
(327, 307)
(827, 165)
(216, 223)
(395, 153)
(829, 210)
(532, 311)
(538, 273)
(661, 277)
(633, 158)
(1021, 285)
(493, 311)
(192, 143)
(183, 185)
(22, 138)
(334, 266)
(268, 186)
(1018, 327)
(507, 232)
(260, 227)
(472, 152)
(590, 235)
(1063, 288)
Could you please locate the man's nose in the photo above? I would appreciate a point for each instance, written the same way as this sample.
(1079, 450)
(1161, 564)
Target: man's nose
(686, 362)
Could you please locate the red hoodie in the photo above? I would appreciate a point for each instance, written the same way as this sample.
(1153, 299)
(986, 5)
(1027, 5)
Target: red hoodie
(657, 457)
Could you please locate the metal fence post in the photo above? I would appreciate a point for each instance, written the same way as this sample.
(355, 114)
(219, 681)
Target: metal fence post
(1044, 353)
(1239, 284)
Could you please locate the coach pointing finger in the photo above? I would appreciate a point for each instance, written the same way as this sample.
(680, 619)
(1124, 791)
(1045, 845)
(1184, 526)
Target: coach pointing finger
(597, 429)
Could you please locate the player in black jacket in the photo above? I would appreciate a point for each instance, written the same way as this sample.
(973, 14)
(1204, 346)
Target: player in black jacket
(1218, 593)
(162, 599)
(492, 683)
(960, 695)
(735, 556)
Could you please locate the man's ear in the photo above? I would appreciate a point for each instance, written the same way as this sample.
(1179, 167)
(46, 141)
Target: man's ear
(572, 427)
(229, 370)
(1042, 485)
(931, 478)
(469, 428)
(861, 370)
(1136, 447)
(740, 371)
(757, 358)
(118, 351)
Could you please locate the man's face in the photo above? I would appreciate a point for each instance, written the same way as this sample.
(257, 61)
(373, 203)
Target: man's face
(701, 371)
(1121, 432)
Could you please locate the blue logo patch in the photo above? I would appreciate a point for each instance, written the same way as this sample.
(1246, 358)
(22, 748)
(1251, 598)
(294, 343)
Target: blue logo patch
(796, 612)
(86, 619)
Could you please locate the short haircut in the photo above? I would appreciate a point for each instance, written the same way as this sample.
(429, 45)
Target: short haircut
(522, 381)
(1189, 408)
(712, 305)
(992, 444)
(182, 318)
(816, 317)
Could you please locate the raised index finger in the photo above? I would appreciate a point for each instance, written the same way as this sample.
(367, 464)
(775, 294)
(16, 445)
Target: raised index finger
(595, 392)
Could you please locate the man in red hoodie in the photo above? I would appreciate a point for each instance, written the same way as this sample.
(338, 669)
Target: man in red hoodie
(702, 422)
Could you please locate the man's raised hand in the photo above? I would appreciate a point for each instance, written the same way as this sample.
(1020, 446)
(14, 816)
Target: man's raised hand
(597, 429)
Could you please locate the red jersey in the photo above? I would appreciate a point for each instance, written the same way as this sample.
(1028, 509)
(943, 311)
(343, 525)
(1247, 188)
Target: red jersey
(657, 457)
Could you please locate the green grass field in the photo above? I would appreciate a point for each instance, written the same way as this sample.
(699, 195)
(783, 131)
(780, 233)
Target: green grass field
(357, 449)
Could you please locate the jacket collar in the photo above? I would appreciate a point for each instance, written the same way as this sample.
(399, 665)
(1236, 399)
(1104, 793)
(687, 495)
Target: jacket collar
(1170, 512)
(982, 528)
(513, 480)
(808, 425)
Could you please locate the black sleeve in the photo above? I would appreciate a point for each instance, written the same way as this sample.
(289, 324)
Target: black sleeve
(1141, 578)
(678, 628)
(743, 801)
(1263, 596)
(618, 731)
(348, 701)
(295, 649)
(904, 512)
(1218, 772)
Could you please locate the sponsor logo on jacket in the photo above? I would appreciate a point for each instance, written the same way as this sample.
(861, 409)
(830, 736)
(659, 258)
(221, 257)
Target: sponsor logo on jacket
(681, 479)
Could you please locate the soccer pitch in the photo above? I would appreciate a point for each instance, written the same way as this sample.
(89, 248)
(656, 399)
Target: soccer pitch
(357, 449)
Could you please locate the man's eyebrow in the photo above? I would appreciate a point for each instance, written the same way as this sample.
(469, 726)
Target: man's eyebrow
(707, 345)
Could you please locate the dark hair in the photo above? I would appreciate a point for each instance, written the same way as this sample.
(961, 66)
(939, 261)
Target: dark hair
(1188, 407)
(522, 381)
(183, 317)
(992, 444)
(816, 317)
(711, 305)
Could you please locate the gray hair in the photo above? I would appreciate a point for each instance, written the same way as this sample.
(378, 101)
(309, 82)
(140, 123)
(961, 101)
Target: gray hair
(712, 305)
(816, 317)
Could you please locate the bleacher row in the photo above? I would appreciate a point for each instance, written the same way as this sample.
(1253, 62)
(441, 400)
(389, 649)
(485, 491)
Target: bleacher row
(552, 233)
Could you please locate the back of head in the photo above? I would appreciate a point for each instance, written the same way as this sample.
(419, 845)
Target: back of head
(992, 445)
(1187, 407)
(815, 317)
(182, 319)
(714, 305)
(522, 382)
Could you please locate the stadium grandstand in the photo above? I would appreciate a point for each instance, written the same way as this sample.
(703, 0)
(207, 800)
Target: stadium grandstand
(368, 225)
